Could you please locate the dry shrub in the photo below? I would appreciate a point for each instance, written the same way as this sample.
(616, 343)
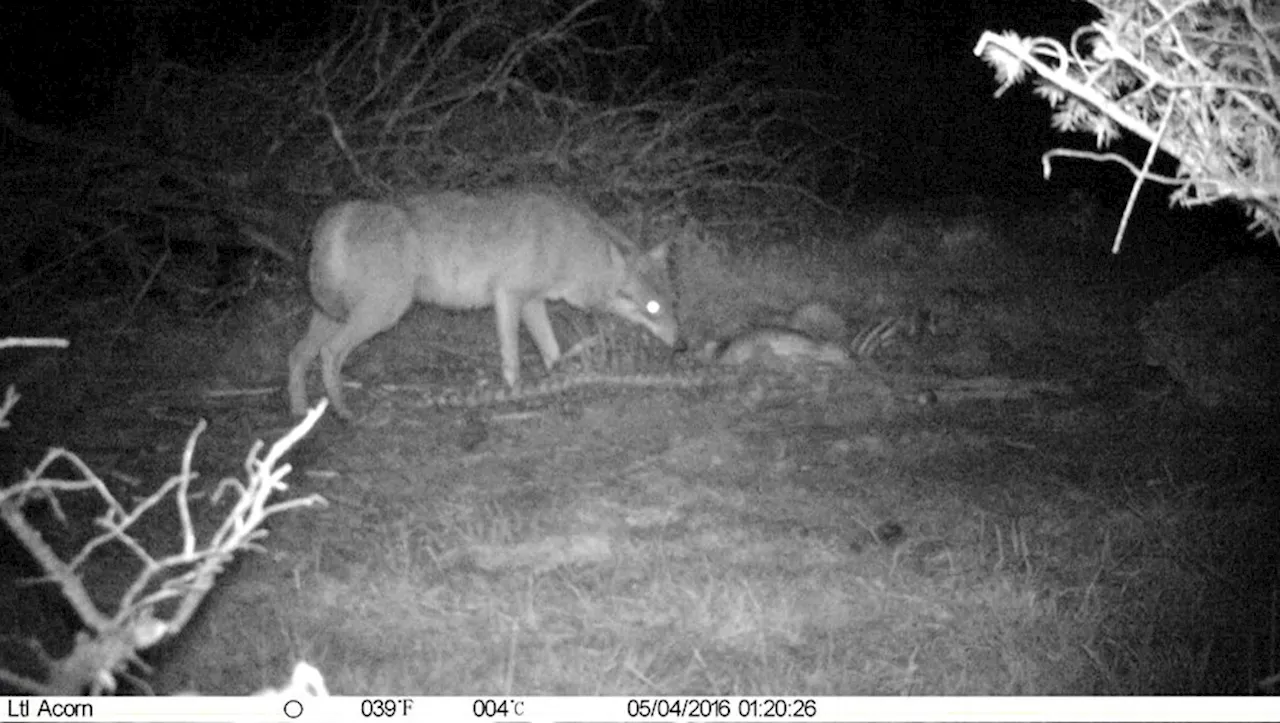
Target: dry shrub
(1195, 79)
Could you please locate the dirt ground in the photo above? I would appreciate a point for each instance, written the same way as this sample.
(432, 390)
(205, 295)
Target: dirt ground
(1008, 503)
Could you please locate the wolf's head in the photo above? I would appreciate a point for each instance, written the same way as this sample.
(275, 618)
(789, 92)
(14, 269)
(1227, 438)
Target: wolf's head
(644, 295)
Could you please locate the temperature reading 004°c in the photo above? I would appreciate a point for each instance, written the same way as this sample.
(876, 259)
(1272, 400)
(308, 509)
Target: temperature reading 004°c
(497, 708)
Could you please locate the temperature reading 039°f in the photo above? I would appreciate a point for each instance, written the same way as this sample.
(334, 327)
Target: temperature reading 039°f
(385, 707)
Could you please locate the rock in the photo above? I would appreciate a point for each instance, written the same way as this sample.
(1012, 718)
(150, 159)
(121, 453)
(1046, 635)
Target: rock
(1218, 335)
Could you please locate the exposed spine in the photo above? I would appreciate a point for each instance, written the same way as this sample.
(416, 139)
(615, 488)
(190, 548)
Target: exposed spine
(874, 336)
(878, 335)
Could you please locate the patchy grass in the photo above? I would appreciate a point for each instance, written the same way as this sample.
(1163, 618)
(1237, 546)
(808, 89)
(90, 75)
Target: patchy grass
(1107, 540)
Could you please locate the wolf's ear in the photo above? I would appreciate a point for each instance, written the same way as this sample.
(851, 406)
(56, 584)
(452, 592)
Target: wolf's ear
(658, 254)
(617, 256)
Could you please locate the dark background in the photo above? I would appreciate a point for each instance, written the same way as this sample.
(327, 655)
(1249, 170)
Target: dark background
(900, 77)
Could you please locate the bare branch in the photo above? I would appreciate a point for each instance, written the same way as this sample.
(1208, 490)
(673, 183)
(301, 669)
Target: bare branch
(110, 647)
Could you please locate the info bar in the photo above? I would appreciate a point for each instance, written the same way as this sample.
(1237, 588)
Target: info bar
(703, 709)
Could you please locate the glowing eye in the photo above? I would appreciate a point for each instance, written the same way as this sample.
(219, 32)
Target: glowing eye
(653, 307)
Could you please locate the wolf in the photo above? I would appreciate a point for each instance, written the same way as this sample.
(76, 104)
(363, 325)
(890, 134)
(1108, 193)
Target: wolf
(510, 249)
